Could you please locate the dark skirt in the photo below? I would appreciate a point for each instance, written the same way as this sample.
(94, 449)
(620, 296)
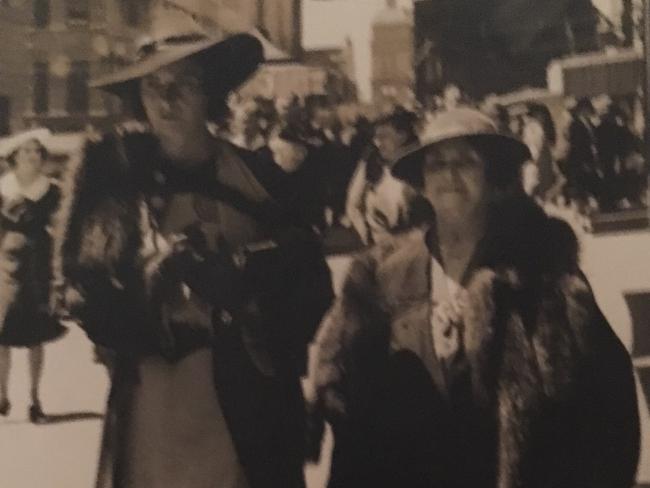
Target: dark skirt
(25, 327)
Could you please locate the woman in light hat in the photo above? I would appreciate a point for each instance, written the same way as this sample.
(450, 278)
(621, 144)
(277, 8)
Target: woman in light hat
(474, 354)
(178, 254)
(27, 201)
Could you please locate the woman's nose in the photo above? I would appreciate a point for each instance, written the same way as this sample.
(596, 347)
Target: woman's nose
(171, 92)
(165, 106)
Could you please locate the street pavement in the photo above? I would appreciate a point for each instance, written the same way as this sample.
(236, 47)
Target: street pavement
(63, 454)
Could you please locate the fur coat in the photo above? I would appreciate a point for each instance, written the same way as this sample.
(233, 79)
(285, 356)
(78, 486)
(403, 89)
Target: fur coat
(110, 262)
(550, 398)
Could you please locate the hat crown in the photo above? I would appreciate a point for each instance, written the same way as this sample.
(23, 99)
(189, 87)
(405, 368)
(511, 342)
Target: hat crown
(11, 143)
(457, 123)
(172, 22)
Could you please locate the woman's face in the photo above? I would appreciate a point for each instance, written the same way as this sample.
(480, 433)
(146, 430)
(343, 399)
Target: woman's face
(175, 105)
(29, 160)
(388, 140)
(454, 180)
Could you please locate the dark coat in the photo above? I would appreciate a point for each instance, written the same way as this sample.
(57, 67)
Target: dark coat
(582, 159)
(26, 272)
(100, 237)
(544, 398)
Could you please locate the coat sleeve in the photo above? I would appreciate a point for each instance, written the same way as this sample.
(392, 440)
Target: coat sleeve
(334, 359)
(300, 280)
(97, 239)
(609, 418)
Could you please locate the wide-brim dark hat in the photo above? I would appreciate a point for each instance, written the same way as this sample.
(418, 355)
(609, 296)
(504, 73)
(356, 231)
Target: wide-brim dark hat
(232, 56)
(461, 123)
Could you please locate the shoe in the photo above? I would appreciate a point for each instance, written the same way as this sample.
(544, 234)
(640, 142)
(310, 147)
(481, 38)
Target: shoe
(36, 415)
(5, 407)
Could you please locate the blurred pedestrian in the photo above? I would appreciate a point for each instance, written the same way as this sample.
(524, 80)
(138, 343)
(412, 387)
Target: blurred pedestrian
(474, 353)
(540, 136)
(180, 255)
(583, 173)
(617, 146)
(28, 199)
(379, 205)
(324, 134)
(306, 171)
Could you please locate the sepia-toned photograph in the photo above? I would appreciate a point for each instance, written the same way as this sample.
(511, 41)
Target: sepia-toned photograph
(325, 244)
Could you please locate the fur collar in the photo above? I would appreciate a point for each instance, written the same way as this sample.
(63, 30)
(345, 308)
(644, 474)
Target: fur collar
(521, 243)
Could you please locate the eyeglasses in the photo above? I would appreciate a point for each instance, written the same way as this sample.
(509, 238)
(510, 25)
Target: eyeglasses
(438, 161)
(180, 87)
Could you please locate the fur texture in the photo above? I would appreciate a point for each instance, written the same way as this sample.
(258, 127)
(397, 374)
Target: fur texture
(112, 263)
(542, 358)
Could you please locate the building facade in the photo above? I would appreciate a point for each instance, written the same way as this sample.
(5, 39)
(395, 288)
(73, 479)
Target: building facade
(56, 47)
(337, 64)
(457, 40)
(392, 49)
(15, 80)
(278, 20)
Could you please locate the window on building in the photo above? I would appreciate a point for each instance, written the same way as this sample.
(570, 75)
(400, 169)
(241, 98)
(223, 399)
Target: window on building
(77, 99)
(77, 10)
(5, 115)
(41, 10)
(130, 12)
(40, 96)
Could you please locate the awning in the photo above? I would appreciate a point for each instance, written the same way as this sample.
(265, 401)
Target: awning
(272, 53)
(617, 72)
(525, 95)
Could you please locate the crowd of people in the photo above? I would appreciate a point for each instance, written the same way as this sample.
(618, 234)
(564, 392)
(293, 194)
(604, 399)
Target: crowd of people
(587, 159)
(462, 350)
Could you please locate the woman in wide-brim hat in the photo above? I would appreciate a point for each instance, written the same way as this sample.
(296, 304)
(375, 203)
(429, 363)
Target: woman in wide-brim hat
(28, 200)
(474, 353)
(179, 255)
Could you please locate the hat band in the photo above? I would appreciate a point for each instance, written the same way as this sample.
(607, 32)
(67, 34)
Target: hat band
(171, 42)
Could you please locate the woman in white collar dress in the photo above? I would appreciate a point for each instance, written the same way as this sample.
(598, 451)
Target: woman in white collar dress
(27, 200)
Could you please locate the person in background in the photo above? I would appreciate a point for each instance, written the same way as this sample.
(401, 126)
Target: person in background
(306, 172)
(324, 129)
(473, 352)
(258, 124)
(177, 251)
(28, 199)
(583, 172)
(617, 148)
(377, 204)
(540, 136)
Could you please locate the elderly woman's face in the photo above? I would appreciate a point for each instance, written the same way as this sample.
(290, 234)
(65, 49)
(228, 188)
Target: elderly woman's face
(175, 104)
(454, 179)
(29, 160)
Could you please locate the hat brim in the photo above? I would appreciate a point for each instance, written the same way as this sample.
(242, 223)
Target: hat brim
(235, 59)
(500, 148)
(11, 143)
